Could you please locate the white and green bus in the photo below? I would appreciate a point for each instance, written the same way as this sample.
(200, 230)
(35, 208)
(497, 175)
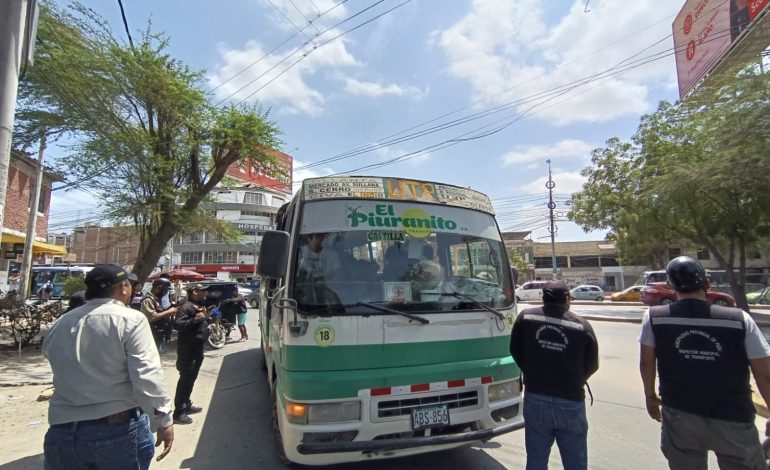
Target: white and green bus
(387, 307)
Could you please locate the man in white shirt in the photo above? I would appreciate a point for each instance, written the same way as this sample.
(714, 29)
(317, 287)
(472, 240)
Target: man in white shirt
(317, 264)
(108, 378)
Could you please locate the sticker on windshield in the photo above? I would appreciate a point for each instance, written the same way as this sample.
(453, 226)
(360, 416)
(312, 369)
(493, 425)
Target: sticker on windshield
(386, 236)
(324, 336)
(397, 292)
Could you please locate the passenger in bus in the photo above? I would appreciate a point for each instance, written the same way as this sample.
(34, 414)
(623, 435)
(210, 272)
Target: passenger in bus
(424, 273)
(396, 262)
(317, 263)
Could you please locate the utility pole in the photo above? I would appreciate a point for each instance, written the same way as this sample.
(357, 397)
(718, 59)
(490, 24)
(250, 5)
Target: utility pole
(17, 25)
(26, 265)
(551, 228)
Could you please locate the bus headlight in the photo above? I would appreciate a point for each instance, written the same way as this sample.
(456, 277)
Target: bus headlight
(504, 390)
(313, 413)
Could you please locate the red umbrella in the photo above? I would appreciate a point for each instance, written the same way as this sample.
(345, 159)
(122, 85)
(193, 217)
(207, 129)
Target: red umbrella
(179, 275)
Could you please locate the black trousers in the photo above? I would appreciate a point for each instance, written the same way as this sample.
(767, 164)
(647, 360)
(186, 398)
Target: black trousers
(188, 363)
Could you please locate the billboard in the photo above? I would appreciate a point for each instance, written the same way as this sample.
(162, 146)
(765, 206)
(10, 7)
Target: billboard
(274, 174)
(703, 30)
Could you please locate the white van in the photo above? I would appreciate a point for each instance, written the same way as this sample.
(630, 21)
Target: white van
(531, 291)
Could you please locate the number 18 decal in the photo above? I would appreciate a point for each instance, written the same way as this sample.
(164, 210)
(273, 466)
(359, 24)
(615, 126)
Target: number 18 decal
(324, 335)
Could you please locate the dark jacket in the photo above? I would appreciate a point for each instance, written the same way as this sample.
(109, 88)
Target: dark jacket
(192, 332)
(556, 350)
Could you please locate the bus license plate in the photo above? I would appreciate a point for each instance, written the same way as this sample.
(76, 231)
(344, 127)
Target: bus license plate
(430, 417)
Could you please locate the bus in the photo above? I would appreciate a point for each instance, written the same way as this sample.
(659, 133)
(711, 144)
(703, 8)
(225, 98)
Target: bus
(57, 274)
(386, 311)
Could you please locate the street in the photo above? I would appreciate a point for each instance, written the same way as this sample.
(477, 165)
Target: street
(233, 432)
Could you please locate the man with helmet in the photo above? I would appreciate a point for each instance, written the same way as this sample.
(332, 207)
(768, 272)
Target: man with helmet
(151, 307)
(703, 354)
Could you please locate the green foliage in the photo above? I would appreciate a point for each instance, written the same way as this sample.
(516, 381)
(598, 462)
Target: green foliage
(73, 284)
(140, 129)
(696, 171)
(516, 259)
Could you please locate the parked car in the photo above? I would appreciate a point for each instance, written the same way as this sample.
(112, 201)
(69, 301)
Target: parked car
(629, 294)
(587, 292)
(761, 297)
(530, 291)
(253, 298)
(659, 293)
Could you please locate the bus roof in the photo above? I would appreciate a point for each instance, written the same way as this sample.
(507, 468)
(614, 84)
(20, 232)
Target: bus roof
(379, 187)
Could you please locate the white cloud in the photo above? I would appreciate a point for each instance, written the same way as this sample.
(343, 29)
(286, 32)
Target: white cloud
(569, 148)
(567, 182)
(506, 51)
(305, 173)
(374, 89)
(389, 153)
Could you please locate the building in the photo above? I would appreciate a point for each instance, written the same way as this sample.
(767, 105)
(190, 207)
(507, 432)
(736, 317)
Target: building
(95, 244)
(249, 200)
(21, 177)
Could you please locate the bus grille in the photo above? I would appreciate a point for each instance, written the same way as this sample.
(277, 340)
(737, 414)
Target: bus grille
(392, 408)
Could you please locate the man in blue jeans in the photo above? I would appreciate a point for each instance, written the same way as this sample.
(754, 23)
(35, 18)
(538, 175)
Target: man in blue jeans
(557, 352)
(108, 378)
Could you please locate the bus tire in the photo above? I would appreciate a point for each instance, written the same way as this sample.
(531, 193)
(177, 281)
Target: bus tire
(263, 365)
(275, 429)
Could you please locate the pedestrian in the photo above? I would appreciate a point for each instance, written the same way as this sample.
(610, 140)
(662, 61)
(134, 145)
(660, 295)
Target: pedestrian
(107, 378)
(234, 311)
(158, 317)
(13, 282)
(76, 300)
(136, 298)
(557, 352)
(703, 354)
(193, 331)
(45, 291)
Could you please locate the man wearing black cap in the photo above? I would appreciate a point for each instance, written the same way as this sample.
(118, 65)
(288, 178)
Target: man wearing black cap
(108, 378)
(193, 331)
(557, 352)
(703, 354)
(158, 317)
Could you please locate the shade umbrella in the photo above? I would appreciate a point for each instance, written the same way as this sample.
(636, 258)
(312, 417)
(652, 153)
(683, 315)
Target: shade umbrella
(179, 275)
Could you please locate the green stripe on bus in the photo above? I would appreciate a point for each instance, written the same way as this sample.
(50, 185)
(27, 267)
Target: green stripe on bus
(378, 356)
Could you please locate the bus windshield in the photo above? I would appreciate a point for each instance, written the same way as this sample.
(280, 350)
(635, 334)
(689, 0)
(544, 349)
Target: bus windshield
(406, 256)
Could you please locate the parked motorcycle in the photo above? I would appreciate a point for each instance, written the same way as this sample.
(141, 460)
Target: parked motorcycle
(219, 329)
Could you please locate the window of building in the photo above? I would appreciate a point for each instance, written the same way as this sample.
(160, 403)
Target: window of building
(41, 204)
(253, 198)
(256, 213)
(191, 257)
(192, 238)
(674, 252)
(584, 261)
(545, 262)
(703, 254)
(219, 257)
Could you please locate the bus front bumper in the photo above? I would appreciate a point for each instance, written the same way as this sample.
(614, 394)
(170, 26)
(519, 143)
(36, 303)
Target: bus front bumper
(407, 443)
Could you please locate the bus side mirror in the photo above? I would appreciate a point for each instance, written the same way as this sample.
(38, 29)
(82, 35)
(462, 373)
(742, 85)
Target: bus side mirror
(273, 254)
(515, 275)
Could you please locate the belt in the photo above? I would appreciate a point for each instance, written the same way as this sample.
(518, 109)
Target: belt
(120, 417)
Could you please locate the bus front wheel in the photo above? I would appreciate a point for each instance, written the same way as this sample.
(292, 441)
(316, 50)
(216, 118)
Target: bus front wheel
(275, 427)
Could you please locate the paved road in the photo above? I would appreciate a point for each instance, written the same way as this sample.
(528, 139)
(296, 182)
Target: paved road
(233, 431)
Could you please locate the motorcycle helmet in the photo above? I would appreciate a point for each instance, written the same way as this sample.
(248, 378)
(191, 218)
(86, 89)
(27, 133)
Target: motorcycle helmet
(161, 281)
(686, 274)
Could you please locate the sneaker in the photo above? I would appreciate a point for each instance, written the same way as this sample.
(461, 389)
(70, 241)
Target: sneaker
(191, 409)
(182, 419)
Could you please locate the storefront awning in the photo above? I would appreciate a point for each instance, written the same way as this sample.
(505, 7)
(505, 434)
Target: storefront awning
(37, 247)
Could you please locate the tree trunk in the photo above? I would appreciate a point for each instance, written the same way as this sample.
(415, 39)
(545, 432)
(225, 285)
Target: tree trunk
(151, 249)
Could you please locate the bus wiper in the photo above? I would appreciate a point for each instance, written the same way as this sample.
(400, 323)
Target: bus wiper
(475, 302)
(424, 321)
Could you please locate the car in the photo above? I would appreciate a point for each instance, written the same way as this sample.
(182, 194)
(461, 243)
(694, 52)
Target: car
(659, 293)
(587, 292)
(761, 297)
(530, 291)
(244, 291)
(253, 298)
(629, 294)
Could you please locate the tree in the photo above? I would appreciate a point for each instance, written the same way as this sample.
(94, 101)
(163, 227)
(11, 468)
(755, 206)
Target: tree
(695, 171)
(516, 259)
(143, 135)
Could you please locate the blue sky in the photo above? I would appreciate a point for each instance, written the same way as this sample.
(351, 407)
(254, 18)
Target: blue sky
(522, 63)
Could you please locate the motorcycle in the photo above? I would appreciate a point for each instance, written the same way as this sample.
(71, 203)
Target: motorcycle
(219, 329)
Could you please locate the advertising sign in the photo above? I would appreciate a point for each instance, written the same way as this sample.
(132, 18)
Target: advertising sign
(704, 30)
(395, 189)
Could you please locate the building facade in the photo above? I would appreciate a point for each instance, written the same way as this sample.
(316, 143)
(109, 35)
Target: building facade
(95, 244)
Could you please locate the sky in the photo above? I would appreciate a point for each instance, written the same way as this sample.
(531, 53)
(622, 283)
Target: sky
(476, 93)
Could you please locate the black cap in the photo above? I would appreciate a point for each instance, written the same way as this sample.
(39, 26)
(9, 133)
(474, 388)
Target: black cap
(686, 274)
(555, 292)
(197, 286)
(105, 275)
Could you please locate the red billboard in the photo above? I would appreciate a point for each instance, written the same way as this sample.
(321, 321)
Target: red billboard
(704, 30)
(274, 174)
